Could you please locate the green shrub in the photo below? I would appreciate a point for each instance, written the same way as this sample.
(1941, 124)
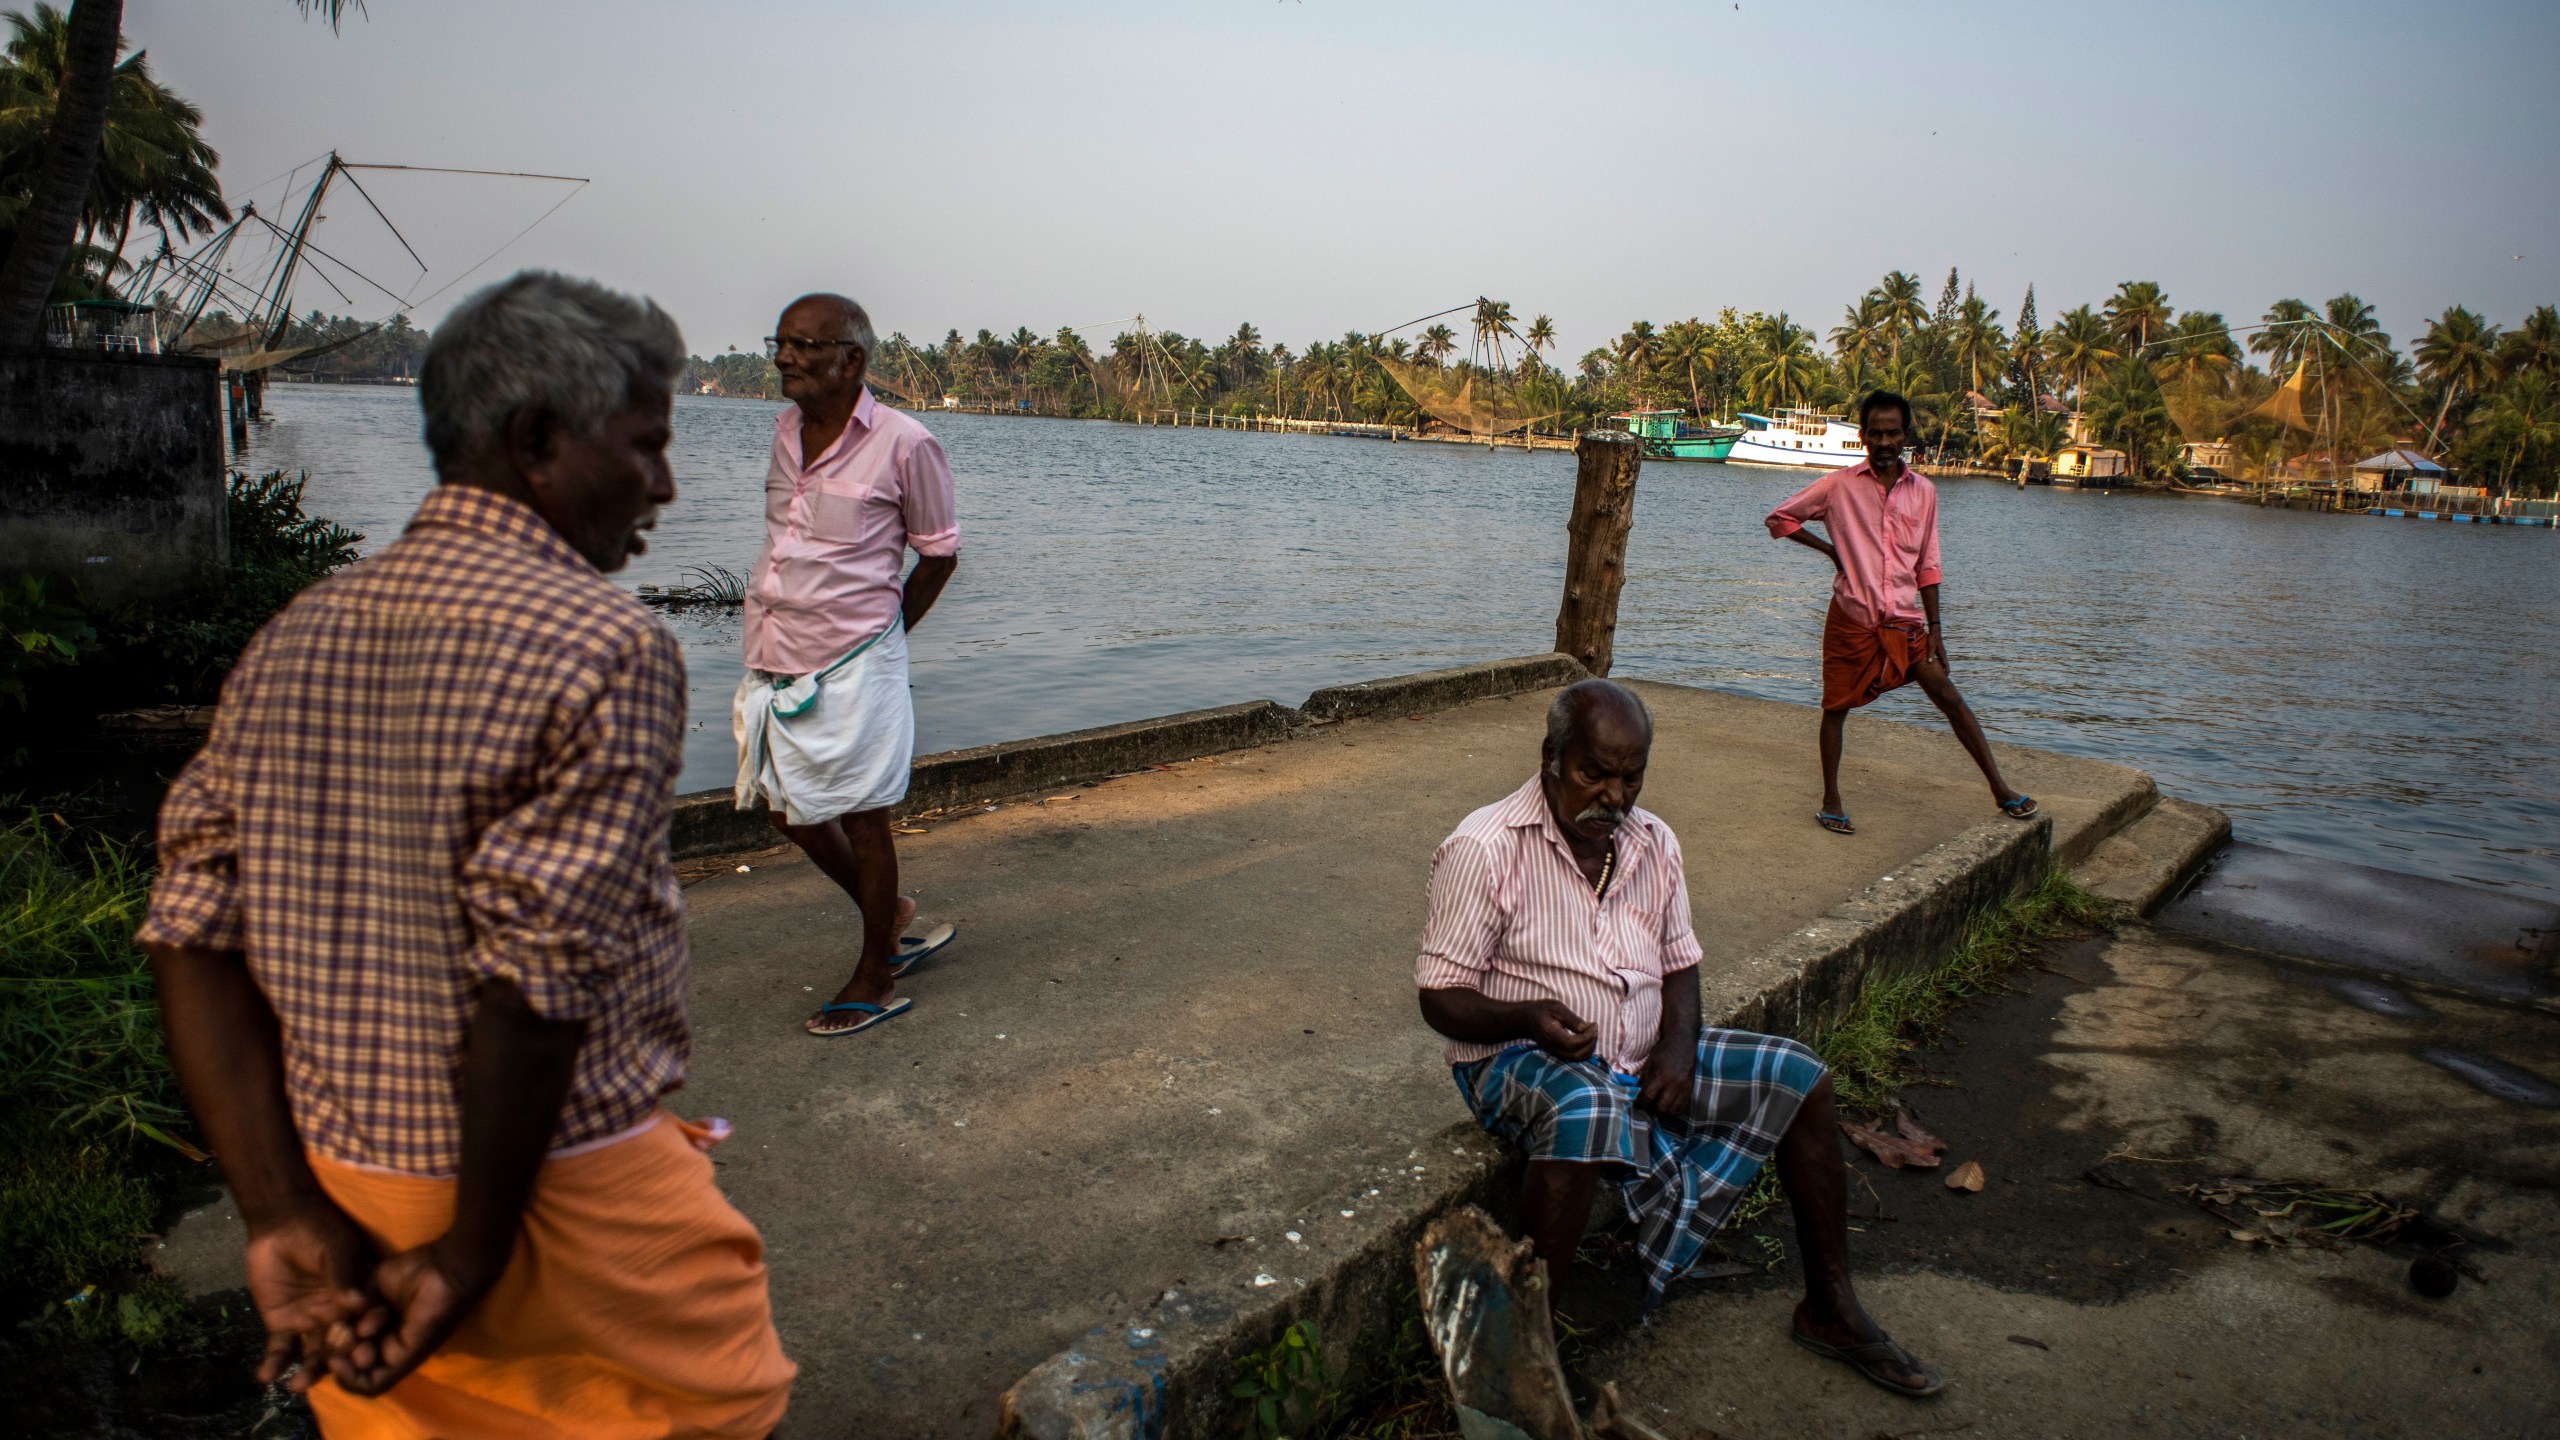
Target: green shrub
(181, 657)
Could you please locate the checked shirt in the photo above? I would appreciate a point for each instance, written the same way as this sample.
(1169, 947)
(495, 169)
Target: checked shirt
(452, 763)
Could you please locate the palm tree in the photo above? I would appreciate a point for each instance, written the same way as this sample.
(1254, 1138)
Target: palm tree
(1542, 334)
(2284, 336)
(2533, 345)
(1438, 344)
(1491, 322)
(2080, 346)
(1898, 302)
(1786, 369)
(1859, 339)
(2352, 326)
(1688, 346)
(74, 137)
(2526, 411)
(1978, 339)
(2459, 353)
(2128, 411)
(1636, 352)
(2138, 310)
(2199, 351)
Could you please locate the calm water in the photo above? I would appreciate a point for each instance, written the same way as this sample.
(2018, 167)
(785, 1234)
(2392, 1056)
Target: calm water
(2373, 690)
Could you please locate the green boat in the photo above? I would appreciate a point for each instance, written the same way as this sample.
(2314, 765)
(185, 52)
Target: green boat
(1668, 435)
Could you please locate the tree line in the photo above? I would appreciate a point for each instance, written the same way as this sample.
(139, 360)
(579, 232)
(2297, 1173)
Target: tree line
(2145, 376)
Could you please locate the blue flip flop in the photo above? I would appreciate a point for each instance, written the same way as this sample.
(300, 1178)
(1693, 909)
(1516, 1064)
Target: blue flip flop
(2022, 808)
(872, 1015)
(1824, 819)
(914, 950)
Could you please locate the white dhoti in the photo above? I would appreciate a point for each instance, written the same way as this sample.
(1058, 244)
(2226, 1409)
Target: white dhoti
(835, 743)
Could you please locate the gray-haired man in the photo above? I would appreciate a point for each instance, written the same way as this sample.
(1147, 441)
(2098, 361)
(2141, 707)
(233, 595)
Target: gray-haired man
(420, 950)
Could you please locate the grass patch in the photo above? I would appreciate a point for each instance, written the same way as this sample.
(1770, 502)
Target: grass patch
(89, 1112)
(1866, 1048)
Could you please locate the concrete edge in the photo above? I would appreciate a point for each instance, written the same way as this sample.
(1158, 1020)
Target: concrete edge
(1441, 689)
(708, 822)
(1167, 1371)
(2147, 863)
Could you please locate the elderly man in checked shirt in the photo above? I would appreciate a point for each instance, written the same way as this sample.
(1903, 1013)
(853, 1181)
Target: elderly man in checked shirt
(1559, 961)
(420, 950)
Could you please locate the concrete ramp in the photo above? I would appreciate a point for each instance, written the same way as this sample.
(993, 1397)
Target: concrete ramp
(1173, 1068)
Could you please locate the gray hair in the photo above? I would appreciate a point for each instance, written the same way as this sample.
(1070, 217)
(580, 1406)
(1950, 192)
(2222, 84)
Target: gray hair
(545, 341)
(857, 321)
(1572, 709)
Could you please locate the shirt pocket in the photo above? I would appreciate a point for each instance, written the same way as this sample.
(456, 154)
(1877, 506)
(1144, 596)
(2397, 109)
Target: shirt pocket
(835, 515)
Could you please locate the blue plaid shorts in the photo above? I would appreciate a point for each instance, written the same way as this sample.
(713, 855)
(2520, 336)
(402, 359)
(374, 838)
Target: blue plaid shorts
(1681, 1177)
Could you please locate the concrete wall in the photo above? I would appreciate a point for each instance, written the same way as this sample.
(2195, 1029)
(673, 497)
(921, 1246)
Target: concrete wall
(111, 472)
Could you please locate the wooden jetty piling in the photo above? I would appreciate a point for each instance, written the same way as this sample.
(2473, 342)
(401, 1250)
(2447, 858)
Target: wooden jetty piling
(1595, 566)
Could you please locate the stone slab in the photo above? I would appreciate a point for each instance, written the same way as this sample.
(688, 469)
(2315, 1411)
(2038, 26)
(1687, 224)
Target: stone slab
(2141, 866)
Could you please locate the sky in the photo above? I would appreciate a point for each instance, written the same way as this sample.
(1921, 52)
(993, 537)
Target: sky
(1317, 166)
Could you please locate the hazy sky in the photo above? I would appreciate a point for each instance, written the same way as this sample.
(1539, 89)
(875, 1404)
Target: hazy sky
(1322, 166)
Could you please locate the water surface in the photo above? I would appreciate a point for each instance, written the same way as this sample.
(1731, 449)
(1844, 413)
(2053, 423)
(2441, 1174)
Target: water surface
(2371, 690)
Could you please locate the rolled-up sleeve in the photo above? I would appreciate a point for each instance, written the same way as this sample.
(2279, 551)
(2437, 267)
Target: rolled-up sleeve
(1926, 572)
(932, 515)
(1464, 921)
(1680, 947)
(1807, 504)
(554, 888)
(195, 900)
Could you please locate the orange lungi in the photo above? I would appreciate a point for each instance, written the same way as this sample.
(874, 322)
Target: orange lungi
(634, 1307)
(1861, 662)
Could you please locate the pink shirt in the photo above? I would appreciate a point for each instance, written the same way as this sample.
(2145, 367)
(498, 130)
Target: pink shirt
(1887, 539)
(1512, 916)
(836, 534)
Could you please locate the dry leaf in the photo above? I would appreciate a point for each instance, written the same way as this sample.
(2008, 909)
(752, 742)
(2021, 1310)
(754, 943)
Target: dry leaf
(2028, 1340)
(1912, 1131)
(1966, 1177)
(1893, 1150)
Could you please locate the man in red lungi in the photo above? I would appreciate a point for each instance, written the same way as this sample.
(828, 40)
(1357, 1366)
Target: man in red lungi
(1883, 629)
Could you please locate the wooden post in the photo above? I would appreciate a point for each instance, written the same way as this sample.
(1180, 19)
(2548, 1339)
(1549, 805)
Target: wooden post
(1595, 563)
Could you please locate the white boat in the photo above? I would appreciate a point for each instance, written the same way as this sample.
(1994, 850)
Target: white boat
(1798, 437)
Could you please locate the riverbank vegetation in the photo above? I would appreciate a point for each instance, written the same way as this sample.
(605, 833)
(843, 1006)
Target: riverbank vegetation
(2299, 391)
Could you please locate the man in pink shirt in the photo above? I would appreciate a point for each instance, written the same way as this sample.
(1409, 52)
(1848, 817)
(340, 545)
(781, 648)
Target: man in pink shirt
(826, 731)
(1883, 629)
(1559, 961)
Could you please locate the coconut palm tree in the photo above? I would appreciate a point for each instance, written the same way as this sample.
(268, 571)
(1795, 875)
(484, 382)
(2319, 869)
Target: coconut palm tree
(1689, 348)
(1786, 369)
(2285, 335)
(1859, 339)
(50, 219)
(2524, 415)
(2198, 351)
(1438, 343)
(1542, 334)
(153, 166)
(2136, 312)
(2129, 412)
(1978, 339)
(2459, 354)
(1898, 302)
(2079, 346)
(1636, 352)
(2533, 345)
(1491, 322)
(2357, 333)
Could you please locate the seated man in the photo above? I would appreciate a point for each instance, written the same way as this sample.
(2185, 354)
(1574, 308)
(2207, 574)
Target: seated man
(1559, 961)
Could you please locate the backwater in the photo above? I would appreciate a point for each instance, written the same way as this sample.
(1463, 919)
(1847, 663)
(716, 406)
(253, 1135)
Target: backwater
(2348, 689)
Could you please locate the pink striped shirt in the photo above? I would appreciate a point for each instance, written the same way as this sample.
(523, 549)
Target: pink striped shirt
(1511, 915)
(1887, 539)
(836, 532)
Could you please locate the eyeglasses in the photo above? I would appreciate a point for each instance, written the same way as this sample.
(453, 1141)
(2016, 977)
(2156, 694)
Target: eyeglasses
(774, 345)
